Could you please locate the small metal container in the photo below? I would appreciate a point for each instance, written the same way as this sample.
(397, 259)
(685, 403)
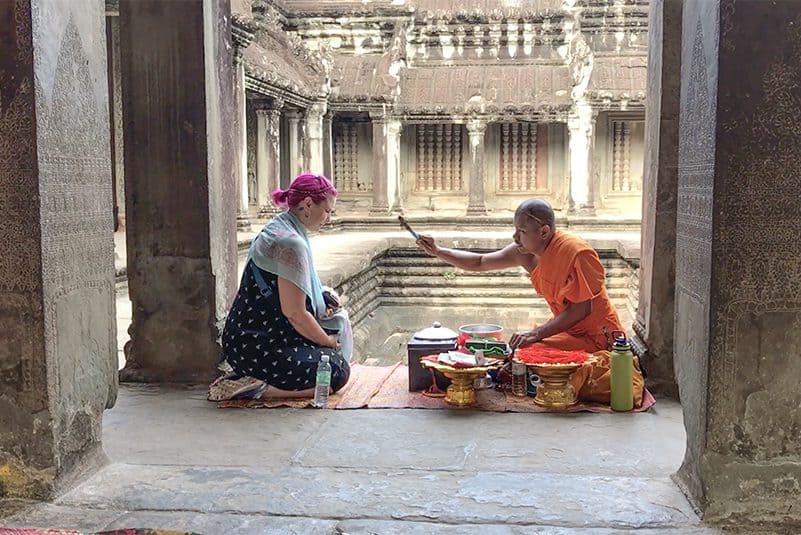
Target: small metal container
(482, 330)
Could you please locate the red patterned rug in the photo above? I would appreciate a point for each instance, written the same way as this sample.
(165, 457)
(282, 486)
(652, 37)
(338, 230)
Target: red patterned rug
(387, 387)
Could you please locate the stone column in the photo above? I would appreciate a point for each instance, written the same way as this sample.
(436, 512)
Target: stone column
(179, 84)
(328, 146)
(58, 362)
(654, 319)
(738, 270)
(295, 151)
(393, 164)
(268, 157)
(380, 204)
(314, 137)
(476, 129)
(580, 127)
(243, 205)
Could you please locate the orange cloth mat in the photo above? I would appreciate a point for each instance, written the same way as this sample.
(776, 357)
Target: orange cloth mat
(387, 387)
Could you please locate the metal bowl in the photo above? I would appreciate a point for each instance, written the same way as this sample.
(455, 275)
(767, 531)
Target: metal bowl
(483, 330)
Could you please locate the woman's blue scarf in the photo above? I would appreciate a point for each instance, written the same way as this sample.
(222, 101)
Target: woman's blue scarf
(282, 248)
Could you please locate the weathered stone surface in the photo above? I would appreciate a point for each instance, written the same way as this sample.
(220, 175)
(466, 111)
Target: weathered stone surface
(657, 263)
(57, 348)
(244, 524)
(182, 199)
(46, 515)
(738, 301)
(519, 497)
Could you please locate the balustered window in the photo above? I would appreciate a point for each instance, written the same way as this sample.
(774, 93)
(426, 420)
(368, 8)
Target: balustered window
(523, 166)
(346, 158)
(627, 156)
(439, 157)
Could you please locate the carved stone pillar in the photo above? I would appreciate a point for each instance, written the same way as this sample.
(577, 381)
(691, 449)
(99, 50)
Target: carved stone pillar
(242, 216)
(328, 145)
(268, 157)
(295, 151)
(181, 207)
(115, 113)
(476, 203)
(393, 163)
(58, 359)
(380, 203)
(654, 319)
(314, 137)
(738, 268)
(580, 125)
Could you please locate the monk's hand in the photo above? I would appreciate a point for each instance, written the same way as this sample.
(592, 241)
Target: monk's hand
(524, 338)
(428, 244)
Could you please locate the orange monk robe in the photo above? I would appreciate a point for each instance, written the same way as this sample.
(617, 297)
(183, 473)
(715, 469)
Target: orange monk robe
(569, 271)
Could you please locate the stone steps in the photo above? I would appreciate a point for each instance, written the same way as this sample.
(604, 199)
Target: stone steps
(409, 278)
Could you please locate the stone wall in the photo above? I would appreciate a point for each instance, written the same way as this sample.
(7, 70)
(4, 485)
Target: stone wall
(738, 275)
(57, 351)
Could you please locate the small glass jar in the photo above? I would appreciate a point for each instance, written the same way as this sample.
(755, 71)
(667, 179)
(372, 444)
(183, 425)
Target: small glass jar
(519, 379)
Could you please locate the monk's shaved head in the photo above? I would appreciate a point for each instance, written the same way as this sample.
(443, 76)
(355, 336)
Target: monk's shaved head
(538, 210)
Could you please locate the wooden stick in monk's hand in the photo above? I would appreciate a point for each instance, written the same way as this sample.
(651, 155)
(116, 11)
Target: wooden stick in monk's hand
(406, 226)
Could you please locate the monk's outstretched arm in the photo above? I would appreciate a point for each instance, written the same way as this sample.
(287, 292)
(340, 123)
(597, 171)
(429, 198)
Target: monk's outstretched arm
(574, 313)
(504, 258)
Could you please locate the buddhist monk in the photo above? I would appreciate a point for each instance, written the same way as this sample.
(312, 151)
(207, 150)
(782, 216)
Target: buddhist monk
(564, 269)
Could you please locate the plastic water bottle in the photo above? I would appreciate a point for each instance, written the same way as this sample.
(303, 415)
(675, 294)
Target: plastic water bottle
(323, 384)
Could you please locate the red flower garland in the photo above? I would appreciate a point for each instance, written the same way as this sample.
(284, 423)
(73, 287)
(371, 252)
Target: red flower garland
(538, 354)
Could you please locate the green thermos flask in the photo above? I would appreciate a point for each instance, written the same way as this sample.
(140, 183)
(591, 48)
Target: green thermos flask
(621, 372)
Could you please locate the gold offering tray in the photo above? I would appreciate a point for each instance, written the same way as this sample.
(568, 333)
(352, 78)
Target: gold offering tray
(555, 392)
(461, 392)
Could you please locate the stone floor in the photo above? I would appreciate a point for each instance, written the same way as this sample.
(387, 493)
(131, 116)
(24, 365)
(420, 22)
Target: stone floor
(176, 461)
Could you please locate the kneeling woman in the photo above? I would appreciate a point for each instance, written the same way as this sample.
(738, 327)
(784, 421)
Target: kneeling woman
(279, 326)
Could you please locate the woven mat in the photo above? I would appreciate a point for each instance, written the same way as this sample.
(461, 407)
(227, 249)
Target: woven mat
(386, 387)
(364, 383)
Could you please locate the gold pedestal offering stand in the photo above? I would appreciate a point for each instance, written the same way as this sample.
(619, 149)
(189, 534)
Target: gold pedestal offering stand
(461, 392)
(555, 392)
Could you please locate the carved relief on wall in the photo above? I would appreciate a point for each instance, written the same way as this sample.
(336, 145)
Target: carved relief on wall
(696, 176)
(756, 249)
(520, 167)
(18, 181)
(346, 158)
(76, 207)
(439, 157)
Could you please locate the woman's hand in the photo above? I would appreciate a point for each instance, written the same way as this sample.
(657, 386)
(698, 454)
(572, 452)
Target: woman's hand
(333, 342)
(524, 338)
(428, 244)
